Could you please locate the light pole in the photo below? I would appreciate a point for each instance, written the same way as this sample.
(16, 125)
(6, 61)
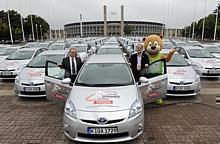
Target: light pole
(81, 34)
(22, 28)
(32, 28)
(216, 20)
(193, 32)
(41, 33)
(37, 32)
(203, 26)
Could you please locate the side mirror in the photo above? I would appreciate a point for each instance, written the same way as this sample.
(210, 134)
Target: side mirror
(66, 81)
(143, 80)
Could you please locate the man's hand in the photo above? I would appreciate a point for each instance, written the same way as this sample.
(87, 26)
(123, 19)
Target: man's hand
(146, 65)
(60, 66)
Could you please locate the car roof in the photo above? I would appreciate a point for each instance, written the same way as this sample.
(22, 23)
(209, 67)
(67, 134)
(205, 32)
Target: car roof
(110, 46)
(84, 44)
(191, 47)
(54, 52)
(106, 59)
(28, 49)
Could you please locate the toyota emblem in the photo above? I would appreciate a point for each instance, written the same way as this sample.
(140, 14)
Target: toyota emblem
(31, 83)
(102, 120)
(182, 82)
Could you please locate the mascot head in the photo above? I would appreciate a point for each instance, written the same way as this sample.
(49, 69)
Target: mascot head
(153, 44)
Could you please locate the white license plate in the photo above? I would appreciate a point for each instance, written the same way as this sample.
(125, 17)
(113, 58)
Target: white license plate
(102, 130)
(6, 73)
(181, 88)
(214, 71)
(31, 89)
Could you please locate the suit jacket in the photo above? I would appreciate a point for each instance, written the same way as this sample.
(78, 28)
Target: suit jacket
(133, 61)
(66, 65)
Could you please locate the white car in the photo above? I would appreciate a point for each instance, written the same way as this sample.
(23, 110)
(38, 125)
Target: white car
(213, 49)
(203, 62)
(5, 52)
(30, 81)
(182, 78)
(84, 50)
(11, 66)
(105, 104)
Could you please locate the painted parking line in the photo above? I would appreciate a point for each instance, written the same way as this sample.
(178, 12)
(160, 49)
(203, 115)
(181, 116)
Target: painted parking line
(210, 91)
(7, 92)
(218, 100)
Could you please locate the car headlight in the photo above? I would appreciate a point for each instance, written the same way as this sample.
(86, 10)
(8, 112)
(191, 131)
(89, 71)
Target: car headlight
(197, 65)
(197, 78)
(135, 109)
(17, 79)
(70, 109)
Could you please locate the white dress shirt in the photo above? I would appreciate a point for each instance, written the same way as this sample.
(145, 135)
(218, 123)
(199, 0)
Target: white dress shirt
(74, 59)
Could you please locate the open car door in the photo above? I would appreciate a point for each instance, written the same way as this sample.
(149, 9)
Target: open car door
(153, 81)
(55, 90)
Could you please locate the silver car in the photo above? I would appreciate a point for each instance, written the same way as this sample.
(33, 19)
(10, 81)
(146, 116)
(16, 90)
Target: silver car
(182, 78)
(30, 81)
(104, 104)
(5, 52)
(203, 62)
(84, 50)
(11, 66)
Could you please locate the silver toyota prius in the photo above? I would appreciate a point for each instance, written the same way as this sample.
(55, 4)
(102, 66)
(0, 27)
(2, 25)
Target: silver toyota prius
(182, 78)
(105, 104)
(30, 81)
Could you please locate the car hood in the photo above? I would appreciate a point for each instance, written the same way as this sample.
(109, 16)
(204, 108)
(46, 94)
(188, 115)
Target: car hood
(32, 74)
(82, 54)
(181, 73)
(206, 62)
(104, 99)
(3, 58)
(12, 64)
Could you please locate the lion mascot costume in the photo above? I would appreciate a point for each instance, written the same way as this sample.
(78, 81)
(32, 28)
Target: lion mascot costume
(153, 44)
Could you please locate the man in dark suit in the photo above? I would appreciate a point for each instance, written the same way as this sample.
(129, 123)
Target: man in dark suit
(71, 64)
(138, 61)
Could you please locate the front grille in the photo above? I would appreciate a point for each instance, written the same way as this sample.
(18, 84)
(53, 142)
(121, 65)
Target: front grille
(177, 83)
(8, 70)
(8, 76)
(25, 84)
(33, 93)
(211, 74)
(103, 136)
(95, 122)
(180, 92)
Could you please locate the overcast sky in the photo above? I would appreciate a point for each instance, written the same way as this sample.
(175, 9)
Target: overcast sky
(174, 13)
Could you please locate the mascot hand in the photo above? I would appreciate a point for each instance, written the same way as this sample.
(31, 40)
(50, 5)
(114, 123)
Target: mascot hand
(173, 50)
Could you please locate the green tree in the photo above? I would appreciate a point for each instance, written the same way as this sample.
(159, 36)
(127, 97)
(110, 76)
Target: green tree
(16, 25)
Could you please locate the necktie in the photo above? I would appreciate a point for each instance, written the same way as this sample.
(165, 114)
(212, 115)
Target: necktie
(73, 67)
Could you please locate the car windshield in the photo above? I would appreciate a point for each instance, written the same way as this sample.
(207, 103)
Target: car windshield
(40, 61)
(56, 47)
(177, 61)
(109, 51)
(213, 49)
(199, 53)
(80, 48)
(181, 44)
(104, 75)
(7, 52)
(20, 55)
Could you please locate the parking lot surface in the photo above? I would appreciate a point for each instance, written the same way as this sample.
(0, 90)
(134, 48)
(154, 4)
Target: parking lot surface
(180, 120)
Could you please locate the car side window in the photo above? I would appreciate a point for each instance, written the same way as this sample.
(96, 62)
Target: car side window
(38, 52)
(157, 68)
(183, 53)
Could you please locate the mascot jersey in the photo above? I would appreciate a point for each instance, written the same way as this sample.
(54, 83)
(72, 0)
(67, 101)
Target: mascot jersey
(156, 68)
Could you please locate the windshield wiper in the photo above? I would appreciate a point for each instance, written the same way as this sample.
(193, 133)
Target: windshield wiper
(99, 85)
